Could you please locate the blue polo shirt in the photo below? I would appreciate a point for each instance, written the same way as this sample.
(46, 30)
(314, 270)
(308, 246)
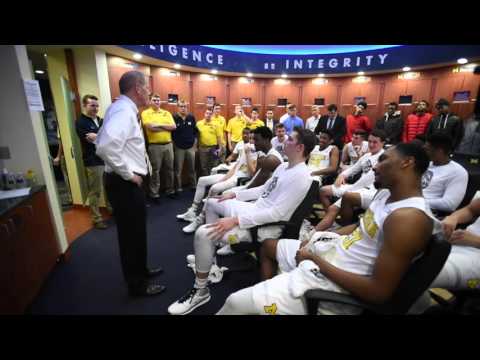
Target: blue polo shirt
(292, 121)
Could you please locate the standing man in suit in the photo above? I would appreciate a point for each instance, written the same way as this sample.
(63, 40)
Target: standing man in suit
(120, 143)
(87, 127)
(334, 123)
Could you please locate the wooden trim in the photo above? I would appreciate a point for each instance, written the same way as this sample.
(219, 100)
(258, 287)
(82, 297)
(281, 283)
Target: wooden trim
(433, 90)
(72, 78)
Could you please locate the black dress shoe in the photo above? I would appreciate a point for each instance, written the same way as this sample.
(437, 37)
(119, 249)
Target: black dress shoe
(149, 290)
(154, 272)
(172, 195)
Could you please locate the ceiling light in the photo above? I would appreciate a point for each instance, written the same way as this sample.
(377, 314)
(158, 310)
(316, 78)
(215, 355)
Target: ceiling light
(214, 71)
(462, 61)
(284, 75)
(407, 68)
(39, 72)
(321, 75)
(361, 73)
(177, 66)
(137, 56)
(249, 74)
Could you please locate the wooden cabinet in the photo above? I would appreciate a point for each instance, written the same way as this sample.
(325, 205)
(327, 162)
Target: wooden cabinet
(29, 252)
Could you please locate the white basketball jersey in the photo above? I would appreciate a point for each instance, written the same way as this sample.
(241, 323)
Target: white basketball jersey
(319, 159)
(353, 155)
(357, 252)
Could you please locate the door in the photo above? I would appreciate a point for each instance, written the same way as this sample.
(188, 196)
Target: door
(76, 148)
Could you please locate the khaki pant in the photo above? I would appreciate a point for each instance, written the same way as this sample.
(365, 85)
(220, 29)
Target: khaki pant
(188, 156)
(161, 155)
(207, 160)
(95, 189)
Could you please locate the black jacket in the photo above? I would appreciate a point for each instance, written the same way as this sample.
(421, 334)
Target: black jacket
(452, 127)
(338, 130)
(393, 127)
(85, 125)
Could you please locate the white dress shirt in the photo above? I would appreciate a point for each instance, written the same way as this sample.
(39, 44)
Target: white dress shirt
(120, 141)
(312, 122)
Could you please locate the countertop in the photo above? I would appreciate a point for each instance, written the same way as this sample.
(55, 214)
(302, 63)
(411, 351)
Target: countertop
(8, 204)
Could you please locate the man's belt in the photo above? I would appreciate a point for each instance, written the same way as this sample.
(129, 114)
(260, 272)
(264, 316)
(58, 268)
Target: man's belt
(160, 143)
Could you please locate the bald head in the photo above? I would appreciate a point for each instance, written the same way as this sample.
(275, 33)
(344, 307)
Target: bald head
(129, 80)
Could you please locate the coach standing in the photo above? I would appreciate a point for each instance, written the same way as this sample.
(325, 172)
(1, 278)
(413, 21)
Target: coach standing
(121, 145)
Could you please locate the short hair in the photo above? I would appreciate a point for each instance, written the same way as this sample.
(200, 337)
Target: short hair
(416, 151)
(255, 109)
(394, 104)
(424, 101)
(264, 132)
(379, 133)
(246, 129)
(181, 102)
(216, 104)
(292, 107)
(332, 107)
(361, 132)
(442, 102)
(129, 80)
(88, 97)
(307, 138)
(327, 132)
(363, 104)
(279, 126)
(154, 95)
(269, 110)
(442, 141)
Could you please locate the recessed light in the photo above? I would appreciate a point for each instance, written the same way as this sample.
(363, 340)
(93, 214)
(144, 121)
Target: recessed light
(137, 56)
(321, 75)
(177, 66)
(45, 54)
(361, 73)
(39, 72)
(214, 71)
(462, 61)
(249, 74)
(284, 75)
(407, 68)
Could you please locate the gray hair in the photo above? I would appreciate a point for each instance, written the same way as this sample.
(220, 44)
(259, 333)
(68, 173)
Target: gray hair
(129, 80)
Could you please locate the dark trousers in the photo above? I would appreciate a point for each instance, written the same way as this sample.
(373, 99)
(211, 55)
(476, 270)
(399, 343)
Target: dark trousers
(129, 211)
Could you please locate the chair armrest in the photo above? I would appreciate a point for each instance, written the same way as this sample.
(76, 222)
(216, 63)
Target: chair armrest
(315, 296)
(278, 223)
(242, 180)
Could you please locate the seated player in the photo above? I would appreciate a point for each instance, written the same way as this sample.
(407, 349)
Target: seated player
(261, 139)
(462, 269)
(277, 200)
(324, 158)
(355, 149)
(376, 140)
(367, 261)
(445, 181)
(278, 142)
(233, 157)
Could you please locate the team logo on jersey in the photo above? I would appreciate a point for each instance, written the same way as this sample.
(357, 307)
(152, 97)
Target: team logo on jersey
(270, 309)
(232, 239)
(368, 166)
(426, 178)
(271, 187)
(473, 283)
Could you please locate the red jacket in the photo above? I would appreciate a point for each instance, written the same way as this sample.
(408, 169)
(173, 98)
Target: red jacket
(415, 125)
(357, 122)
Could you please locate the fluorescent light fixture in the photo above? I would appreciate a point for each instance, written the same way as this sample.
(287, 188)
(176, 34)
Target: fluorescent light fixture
(321, 75)
(137, 56)
(462, 61)
(361, 73)
(284, 75)
(39, 72)
(407, 68)
(177, 66)
(214, 71)
(249, 74)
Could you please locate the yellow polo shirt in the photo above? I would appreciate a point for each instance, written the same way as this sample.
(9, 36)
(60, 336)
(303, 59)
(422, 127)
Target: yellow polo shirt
(255, 124)
(160, 117)
(220, 120)
(235, 127)
(209, 132)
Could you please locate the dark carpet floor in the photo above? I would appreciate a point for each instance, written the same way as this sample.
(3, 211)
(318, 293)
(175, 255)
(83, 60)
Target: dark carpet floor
(91, 282)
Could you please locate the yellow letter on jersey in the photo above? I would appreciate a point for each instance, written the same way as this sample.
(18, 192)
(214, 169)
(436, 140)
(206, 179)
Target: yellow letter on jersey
(473, 283)
(272, 309)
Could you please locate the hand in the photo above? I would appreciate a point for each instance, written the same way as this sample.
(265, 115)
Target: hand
(137, 180)
(219, 228)
(340, 181)
(91, 137)
(56, 161)
(303, 243)
(226, 196)
(302, 254)
(463, 237)
(449, 224)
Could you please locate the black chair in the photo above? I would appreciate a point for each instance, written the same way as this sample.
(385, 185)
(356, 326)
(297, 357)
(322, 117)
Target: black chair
(291, 228)
(463, 302)
(242, 180)
(415, 282)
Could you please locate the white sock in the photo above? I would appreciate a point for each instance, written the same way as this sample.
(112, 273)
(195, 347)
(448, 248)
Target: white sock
(201, 284)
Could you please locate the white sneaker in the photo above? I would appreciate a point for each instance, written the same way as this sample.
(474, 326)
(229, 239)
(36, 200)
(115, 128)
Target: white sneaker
(225, 250)
(194, 225)
(189, 302)
(189, 216)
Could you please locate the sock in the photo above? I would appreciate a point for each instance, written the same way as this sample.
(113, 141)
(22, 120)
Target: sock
(201, 285)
